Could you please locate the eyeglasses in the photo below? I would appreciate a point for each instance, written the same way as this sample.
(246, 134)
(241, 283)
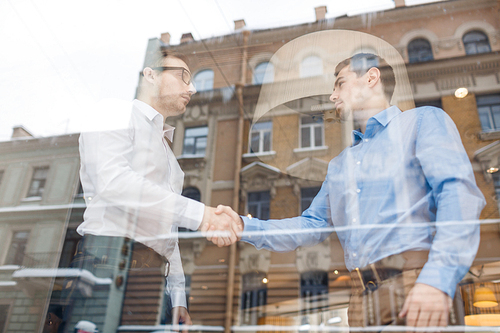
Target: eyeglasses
(186, 76)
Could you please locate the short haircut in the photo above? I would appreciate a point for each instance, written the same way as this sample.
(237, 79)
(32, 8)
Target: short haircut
(360, 63)
(157, 59)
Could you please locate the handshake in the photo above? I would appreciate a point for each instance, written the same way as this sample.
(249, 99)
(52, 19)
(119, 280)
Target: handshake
(221, 225)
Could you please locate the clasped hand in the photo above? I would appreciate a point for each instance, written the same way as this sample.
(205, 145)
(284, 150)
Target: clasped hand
(222, 225)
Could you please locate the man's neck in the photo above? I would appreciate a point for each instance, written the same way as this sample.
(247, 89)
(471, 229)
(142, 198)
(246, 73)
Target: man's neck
(360, 117)
(151, 103)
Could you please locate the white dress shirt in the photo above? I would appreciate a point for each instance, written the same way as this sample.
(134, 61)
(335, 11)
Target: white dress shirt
(132, 184)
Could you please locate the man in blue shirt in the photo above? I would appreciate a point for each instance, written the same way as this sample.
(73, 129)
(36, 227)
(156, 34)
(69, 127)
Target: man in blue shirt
(402, 200)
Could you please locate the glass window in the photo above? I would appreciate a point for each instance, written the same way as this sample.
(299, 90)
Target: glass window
(195, 141)
(259, 73)
(311, 132)
(1, 176)
(204, 80)
(419, 50)
(261, 137)
(17, 248)
(488, 107)
(253, 297)
(4, 311)
(306, 197)
(313, 283)
(258, 204)
(37, 185)
(476, 42)
(435, 102)
(311, 66)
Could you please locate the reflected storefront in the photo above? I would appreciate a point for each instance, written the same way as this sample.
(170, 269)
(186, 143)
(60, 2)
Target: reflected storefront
(257, 136)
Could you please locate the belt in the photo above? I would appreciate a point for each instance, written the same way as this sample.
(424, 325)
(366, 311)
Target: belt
(369, 277)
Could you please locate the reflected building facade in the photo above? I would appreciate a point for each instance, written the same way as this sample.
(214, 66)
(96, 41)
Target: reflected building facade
(268, 164)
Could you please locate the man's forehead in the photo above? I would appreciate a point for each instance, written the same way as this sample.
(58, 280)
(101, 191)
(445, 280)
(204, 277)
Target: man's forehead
(174, 62)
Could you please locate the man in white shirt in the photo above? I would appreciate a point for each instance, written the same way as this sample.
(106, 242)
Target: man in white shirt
(133, 182)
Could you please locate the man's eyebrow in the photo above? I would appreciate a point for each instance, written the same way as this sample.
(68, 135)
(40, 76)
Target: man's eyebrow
(337, 81)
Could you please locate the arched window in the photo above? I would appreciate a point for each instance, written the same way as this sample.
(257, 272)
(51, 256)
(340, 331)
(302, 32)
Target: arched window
(419, 50)
(311, 66)
(476, 42)
(259, 73)
(204, 80)
(192, 193)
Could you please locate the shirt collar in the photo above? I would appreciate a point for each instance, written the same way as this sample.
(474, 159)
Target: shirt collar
(155, 117)
(375, 123)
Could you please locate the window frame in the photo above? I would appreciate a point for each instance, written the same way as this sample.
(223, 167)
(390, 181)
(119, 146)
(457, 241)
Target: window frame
(309, 68)
(311, 127)
(39, 194)
(259, 75)
(485, 41)
(260, 204)
(262, 133)
(12, 240)
(196, 138)
(490, 114)
(415, 55)
(203, 86)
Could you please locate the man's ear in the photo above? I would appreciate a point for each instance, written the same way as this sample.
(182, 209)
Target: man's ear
(373, 76)
(149, 74)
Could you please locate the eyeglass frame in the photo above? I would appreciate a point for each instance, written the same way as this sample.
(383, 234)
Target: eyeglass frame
(167, 68)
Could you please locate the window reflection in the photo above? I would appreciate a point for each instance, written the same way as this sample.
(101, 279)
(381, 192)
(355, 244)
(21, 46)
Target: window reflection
(311, 66)
(259, 73)
(195, 141)
(488, 107)
(204, 80)
(37, 185)
(419, 50)
(476, 42)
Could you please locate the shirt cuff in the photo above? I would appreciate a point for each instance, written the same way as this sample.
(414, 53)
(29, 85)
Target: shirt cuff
(178, 298)
(250, 225)
(442, 278)
(196, 210)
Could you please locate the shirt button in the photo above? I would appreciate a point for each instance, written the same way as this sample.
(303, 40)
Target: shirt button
(358, 162)
(353, 220)
(354, 255)
(366, 140)
(358, 190)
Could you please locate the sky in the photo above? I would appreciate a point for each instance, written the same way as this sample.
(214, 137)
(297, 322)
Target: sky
(60, 57)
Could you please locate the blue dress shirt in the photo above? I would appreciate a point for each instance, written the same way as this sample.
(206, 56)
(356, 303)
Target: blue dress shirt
(405, 184)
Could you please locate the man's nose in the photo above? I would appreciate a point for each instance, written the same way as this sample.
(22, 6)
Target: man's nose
(192, 89)
(333, 97)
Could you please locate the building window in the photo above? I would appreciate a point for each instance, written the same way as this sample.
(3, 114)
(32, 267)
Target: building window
(476, 42)
(488, 107)
(313, 285)
(195, 141)
(435, 102)
(258, 204)
(259, 73)
(204, 80)
(37, 185)
(1, 176)
(253, 297)
(4, 312)
(311, 132)
(311, 66)
(306, 197)
(192, 193)
(260, 137)
(419, 50)
(364, 61)
(17, 248)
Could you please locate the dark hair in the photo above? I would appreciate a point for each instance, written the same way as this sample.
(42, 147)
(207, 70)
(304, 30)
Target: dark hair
(360, 63)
